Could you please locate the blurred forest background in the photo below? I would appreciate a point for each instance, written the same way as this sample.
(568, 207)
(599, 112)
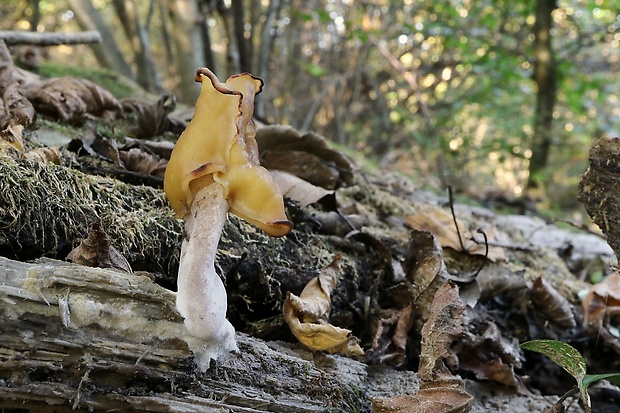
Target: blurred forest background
(495, 97)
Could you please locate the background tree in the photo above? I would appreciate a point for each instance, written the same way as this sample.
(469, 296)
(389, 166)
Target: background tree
(445, 91)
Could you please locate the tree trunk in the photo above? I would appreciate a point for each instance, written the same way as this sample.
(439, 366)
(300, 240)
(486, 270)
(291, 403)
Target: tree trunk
(107, 52)
(266, 45)
(188, 47)
(148, 74)
(205, 32)
(245, 60)
(545, 76)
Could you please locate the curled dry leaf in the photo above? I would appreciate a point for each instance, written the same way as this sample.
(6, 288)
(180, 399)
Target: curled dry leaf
(137, 160)
(441, 223)
(440, 330)
(45, 155)
(390, 342)
(19, 109)
(424, 272)
(95, 251)
(483, 351)
(70, 99)
(298, 189)
(307, 315)
(163, 149)
(552, 305)
(154, 118)
(440, 391)
(602, 300)
(426, 400)
(16, 112)
(307, 156)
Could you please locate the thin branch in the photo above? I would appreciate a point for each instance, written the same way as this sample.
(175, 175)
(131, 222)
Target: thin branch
(456, 225)
(12, 37)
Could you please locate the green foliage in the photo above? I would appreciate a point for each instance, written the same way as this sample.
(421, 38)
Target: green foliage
(567, 357)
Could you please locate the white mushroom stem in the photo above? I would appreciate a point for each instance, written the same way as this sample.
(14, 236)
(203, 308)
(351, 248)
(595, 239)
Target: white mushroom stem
(201, 296)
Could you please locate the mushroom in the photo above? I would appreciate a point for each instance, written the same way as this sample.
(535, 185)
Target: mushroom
(214, 168)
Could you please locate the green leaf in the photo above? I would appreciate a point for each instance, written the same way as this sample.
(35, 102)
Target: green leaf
(567, 357)
(591, 378)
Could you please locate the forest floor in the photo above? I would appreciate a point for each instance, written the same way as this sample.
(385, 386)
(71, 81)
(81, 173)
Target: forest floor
(439, 294)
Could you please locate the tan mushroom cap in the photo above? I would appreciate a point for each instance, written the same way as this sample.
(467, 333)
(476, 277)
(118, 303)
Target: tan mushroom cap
(218, 145)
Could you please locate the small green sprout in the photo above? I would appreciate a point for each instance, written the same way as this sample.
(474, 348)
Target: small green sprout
(567, 357)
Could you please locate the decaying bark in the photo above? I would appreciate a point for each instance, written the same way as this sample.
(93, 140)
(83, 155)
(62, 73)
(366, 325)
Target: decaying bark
(92, 339)
(599, 189)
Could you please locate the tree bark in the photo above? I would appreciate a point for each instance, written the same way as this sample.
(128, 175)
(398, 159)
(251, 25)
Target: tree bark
(245, 60)
(545, 76)
(107, 52)
(49, 39)
(188, 47)
(266, 45)
(149, 77)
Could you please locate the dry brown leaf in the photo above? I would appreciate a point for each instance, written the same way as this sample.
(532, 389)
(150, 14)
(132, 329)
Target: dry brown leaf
(602, 299)
(19, 109)
(307, 315)
(163, 149)
(137, 160)
(95, 251)
(390, 342)
(441, 223)
(483, 350)
(298, 189)
(426, 400)
(440, 391)
(154, 118)
(552, 305)
(424, 272)
(46, 155)
(307, 156)
(440, 330)
(70, 99)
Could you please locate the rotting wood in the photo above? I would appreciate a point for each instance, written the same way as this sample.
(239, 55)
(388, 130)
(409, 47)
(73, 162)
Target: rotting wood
(123, 348)
(12, 37)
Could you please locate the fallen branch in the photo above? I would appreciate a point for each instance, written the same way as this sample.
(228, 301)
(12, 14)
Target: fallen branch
(12, 37)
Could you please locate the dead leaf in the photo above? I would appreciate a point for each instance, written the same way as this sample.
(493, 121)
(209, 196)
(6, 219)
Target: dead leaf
(602, 300)
(484, 351)
(427, 400)
(552, 305)
(307, 315)
(137, 160)
(443, 326)
(298, 189)
(424, 272)
(163, 149)
(307, 156)
(441, 223)
(95, 251)
(390, 342)
(19, 109)
(45, 155)
(70, 99)
(440, 391)
(154, 118)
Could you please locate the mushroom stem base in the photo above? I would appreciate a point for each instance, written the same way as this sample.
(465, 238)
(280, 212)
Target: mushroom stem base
(201, 296)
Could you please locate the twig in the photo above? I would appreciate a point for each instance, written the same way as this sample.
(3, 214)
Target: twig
(558, 406)
(486, 251)
(458, 231)
(12, 37)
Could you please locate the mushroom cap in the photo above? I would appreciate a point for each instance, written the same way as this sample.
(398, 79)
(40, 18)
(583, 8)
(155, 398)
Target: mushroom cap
(218, 145)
